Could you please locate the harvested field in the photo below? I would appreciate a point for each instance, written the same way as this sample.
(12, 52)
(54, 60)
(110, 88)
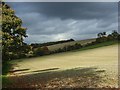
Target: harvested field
(82, 42)
(89, 68)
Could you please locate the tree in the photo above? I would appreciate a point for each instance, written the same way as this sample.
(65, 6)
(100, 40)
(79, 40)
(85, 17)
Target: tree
(77, 46)
(115, 34)
(40, 51)
(103, 34)
(101, 37)
(12, 32)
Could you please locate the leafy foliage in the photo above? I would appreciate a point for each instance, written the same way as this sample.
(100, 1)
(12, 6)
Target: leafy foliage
(41, 51)
(12, 33)
(102, 37)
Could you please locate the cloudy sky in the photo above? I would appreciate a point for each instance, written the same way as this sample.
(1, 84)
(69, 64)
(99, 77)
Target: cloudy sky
(53, 21)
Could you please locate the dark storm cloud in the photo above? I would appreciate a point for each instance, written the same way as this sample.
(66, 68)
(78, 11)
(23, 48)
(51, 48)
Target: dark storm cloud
(55, 21)
(64, 10)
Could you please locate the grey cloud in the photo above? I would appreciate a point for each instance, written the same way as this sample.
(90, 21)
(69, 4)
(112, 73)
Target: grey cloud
(62, 1)
(55, 21)
(66, 10)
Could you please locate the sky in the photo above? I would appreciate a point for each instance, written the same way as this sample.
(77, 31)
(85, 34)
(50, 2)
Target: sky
(54, 21)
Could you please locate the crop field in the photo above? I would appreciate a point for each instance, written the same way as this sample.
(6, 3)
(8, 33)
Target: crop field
(82, 42)
(89, 68)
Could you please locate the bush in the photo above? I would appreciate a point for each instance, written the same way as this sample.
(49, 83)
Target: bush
(41, 51)
(19, 55)
(77, 46)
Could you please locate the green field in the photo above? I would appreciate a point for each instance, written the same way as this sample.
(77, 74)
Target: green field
(71, 69)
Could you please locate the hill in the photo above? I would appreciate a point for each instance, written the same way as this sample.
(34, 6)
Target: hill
(82, 42)
(36, 45)
(72, 69)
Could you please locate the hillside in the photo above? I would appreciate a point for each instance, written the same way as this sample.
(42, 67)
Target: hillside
(71, 69)
(82, 42)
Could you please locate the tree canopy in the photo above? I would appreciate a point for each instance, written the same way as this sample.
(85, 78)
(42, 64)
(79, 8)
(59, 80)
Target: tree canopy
(12, 32)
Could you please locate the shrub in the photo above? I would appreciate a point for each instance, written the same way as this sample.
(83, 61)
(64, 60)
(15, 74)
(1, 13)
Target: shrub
(41, 51)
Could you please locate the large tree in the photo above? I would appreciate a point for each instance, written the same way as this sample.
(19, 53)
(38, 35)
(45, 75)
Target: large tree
(12, 33)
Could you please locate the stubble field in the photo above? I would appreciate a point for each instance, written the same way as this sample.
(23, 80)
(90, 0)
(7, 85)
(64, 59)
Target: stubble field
(89, 68)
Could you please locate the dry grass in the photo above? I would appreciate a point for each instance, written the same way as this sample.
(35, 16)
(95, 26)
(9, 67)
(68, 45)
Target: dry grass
(104, 59)
(100, 57)
(57, 46)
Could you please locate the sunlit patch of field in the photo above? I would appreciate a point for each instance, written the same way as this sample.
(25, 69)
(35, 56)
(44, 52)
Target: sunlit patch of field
(104, 59)
(82, 42)
(104, 56)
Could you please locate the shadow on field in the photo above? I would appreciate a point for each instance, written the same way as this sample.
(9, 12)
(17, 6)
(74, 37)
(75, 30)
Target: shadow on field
(79, 76)
(46, 70)
(12, 71)
(24, 71)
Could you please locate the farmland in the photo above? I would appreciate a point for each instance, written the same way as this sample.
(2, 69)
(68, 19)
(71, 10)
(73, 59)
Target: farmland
(82, 42)
(58, 46)
(96, 66)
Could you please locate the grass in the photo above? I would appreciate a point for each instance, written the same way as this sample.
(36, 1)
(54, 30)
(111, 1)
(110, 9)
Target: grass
(49, 67)
(5, 69)
(98, 45)
(66, 60)
(5, 80)
(83, 74)
(6, 66)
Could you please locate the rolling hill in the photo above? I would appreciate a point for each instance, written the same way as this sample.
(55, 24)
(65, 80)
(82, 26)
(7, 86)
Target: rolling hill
(90, 68)
(82, 42)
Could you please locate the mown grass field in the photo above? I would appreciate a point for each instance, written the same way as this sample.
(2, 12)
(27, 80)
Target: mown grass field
(87, 68)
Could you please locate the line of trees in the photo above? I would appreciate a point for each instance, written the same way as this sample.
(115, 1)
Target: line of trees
(102, 37)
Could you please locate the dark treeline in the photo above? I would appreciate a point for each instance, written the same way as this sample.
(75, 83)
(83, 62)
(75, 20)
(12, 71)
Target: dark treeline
(36, 45)
(103, 37)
